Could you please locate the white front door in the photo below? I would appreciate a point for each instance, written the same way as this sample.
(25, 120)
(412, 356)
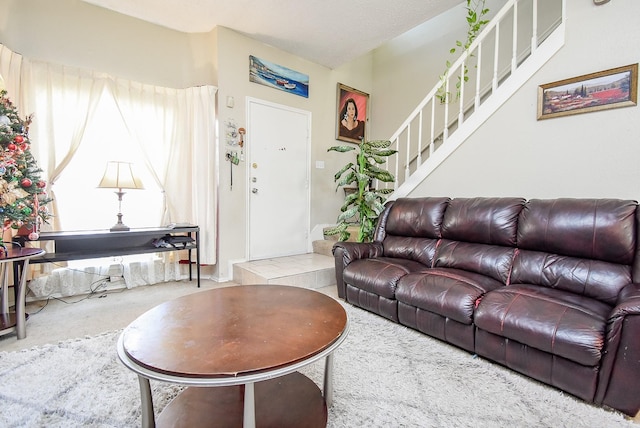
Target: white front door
(278, 141)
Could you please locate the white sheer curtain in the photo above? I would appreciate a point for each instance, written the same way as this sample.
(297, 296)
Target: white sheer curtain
(174, 129)
(11, 72)
(179, 149)
(64, 101)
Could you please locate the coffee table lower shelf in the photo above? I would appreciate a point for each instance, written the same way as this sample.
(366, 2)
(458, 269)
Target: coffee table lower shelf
(292, 400)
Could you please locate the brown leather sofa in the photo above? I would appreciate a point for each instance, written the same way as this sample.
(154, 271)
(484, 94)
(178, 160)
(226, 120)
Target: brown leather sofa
(548, 288)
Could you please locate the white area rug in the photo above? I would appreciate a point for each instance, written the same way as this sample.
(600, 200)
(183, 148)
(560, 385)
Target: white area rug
(386, 375)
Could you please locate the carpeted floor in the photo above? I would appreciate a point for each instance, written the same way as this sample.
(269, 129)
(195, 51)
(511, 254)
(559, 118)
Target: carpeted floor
(385, 376)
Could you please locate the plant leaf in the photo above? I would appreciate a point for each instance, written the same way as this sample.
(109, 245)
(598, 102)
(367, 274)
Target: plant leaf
(384, 176)
(380, 143)
(348, 201)
(346, 215)
(386, 153)
(342, 171)
(335, 230)
(385, 191)
(348, 179)
(341, 149)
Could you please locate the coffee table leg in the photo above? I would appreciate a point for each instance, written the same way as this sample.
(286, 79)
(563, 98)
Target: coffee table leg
(249, 420)
(148, 419)
(328, 380)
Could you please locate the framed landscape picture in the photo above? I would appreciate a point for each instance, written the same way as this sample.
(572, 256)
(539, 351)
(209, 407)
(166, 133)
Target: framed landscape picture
(352, 108)
(278, 77)
(614, 88)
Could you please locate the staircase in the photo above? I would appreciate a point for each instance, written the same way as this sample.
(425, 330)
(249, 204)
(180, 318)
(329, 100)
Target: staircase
(503, 57)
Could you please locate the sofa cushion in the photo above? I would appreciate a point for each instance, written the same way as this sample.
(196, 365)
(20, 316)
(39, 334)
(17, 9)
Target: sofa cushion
(451, 293)
(598, 229)
(490, 260)
(379, 275)
(554, 321)
(590, 278)
(403, 247)
(416, 217)
(585, 246)
(491, 221)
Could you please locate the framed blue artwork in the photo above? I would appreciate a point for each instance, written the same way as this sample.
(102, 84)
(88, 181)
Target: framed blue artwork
(278, 77)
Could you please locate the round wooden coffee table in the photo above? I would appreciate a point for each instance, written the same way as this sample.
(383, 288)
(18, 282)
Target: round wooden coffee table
(247, 341)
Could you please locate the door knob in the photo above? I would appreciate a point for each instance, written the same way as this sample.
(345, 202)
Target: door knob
(254, 190)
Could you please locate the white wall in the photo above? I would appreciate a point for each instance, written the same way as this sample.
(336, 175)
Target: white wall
(75, 33)
(78, 34)
(233, 80)
(513, 154)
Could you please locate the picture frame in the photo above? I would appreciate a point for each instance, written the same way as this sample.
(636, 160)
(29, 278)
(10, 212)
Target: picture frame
(352, 107)
(603, 90)
(278, 77)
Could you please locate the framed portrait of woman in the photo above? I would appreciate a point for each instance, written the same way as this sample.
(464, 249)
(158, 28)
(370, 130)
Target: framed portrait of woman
(352, 107)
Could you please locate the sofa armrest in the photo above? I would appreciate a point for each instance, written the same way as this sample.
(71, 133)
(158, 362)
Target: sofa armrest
(347, 252)
(621, 358)
(628, 302)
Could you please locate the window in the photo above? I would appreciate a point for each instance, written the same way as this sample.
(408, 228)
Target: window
(81, 205)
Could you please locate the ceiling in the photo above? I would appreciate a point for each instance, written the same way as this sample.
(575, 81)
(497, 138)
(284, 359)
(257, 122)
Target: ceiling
(327, 32)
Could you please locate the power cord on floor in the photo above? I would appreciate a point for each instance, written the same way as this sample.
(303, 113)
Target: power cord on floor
(94, 288)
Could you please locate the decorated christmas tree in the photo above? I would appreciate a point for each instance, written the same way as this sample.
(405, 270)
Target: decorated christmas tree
(23, 198)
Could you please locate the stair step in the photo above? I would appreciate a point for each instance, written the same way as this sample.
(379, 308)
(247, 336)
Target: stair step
(305, 270)
(323, 246)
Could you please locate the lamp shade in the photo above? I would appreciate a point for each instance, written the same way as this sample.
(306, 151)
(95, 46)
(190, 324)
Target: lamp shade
(120, 175)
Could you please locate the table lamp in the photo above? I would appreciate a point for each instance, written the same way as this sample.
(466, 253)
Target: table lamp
(120, 175)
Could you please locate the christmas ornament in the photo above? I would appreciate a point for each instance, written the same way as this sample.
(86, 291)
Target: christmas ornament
(33, 236)
(18, 139)
(11, 147)
(25, 182)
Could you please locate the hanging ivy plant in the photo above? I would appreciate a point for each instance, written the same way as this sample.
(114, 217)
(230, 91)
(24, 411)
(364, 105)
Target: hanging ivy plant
(476, 12)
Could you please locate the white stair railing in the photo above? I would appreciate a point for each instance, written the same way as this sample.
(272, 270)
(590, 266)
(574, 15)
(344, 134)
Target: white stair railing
(508, 51)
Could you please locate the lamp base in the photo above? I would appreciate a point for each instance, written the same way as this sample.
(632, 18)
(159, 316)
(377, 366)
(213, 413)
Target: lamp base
(119, 226)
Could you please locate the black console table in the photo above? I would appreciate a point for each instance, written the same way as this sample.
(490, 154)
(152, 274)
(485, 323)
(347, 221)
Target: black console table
(90, 244)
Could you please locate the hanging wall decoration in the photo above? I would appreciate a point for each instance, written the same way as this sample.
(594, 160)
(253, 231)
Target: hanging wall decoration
(613, 88)
(352, 106)
(278, 77)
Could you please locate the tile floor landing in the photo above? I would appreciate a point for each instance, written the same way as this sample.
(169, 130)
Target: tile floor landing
(309, 270)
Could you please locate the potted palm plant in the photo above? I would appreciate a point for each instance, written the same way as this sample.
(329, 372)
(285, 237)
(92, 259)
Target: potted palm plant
(365, 202)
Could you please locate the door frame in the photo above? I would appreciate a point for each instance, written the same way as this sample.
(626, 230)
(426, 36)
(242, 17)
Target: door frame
(247, 150)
